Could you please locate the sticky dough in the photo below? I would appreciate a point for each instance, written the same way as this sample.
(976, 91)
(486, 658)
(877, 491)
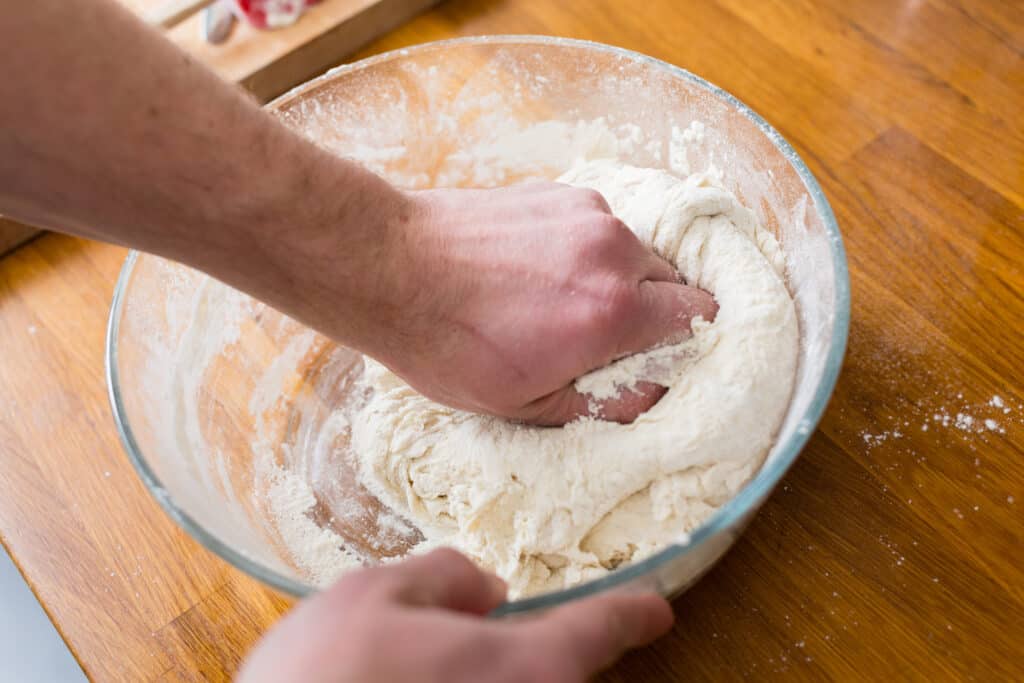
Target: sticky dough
(549, 508)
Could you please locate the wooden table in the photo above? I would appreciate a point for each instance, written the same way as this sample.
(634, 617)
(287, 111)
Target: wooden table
(894, 546)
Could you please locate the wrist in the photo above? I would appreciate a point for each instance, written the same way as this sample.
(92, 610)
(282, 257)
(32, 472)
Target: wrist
(323, 244)
(417, 283)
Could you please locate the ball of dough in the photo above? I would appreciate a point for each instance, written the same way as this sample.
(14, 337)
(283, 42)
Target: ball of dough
(548, 508)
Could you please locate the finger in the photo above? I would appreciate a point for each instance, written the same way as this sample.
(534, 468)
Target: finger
(534, 186)
(629, 403)
(640, 259)
(658, 269)
(597, 200)
(555, 409)
(448, 579)
(593, 633)
(665, 315)
(567, 404)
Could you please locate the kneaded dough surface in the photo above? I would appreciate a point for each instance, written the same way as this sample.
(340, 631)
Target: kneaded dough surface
(548, 508)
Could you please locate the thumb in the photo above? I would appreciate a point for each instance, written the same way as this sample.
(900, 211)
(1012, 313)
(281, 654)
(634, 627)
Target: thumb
(447, 579)
(666, 314)
(592, 633)
(566, 404)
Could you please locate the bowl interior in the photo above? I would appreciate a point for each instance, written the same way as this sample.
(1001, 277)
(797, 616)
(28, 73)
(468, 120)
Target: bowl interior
(230, 410)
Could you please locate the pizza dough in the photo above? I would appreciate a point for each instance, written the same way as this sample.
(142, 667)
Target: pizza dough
(548, 508)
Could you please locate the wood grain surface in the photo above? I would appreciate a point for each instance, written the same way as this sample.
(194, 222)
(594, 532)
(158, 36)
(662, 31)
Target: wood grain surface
(892, 550)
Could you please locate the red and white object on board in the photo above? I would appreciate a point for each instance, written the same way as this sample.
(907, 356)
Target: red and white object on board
(271, 13)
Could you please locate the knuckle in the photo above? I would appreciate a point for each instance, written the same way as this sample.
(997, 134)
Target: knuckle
(358, 580)
(592, 197)
(466, 570)
(611, 228)
(543, 411)
(450, 556)
(603, 239)
(548, 669)
(356, 586)
(546, 187)
(478, 653)
(454, 564)
(613, 304)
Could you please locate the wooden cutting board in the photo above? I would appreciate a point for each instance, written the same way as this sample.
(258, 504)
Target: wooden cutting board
(267, 63)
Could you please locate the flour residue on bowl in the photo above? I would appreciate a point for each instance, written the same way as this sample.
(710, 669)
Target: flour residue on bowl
(263, 408)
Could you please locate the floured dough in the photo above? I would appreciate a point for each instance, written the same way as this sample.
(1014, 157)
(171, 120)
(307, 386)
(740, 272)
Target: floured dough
(547, 508)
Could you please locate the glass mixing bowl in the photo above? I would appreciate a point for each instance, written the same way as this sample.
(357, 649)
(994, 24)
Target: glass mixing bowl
(225, 406)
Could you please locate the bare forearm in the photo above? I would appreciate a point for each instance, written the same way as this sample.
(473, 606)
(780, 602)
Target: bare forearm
(109, 131)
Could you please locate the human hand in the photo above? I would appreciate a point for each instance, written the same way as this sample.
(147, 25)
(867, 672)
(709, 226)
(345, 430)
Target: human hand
(511, 294)
(423, 620)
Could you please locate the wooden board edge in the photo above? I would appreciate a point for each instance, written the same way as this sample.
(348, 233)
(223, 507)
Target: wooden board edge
(329, 49)
(271, 62)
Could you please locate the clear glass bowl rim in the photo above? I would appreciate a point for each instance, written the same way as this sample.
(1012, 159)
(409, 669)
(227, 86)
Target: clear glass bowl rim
(725, 518)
